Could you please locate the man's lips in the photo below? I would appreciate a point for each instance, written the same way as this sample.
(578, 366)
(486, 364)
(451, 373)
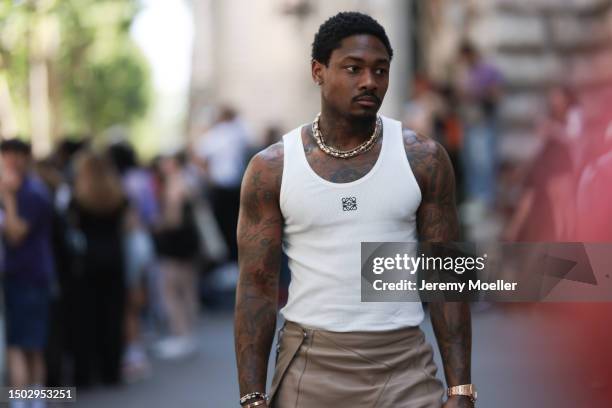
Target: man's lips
(367, 101)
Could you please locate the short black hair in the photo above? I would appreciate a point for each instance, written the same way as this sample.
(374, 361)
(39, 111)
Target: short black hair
(123, 156)
(342, 25)
(15, 146)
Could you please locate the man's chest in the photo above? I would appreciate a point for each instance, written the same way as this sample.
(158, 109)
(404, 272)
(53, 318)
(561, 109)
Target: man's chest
(336, 170)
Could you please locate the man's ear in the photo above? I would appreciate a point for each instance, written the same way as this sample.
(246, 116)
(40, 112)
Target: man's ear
(317, 70)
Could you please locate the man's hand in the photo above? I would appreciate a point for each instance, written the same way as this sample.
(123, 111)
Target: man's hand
(458, 401)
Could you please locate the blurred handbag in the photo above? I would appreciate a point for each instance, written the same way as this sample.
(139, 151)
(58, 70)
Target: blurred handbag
(213, 245)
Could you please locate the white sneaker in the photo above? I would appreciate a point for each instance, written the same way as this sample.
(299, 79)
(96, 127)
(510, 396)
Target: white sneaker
(135, 366)
(175, 348)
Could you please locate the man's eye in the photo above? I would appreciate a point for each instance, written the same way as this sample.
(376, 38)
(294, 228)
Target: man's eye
(380, 71)
(352, 69)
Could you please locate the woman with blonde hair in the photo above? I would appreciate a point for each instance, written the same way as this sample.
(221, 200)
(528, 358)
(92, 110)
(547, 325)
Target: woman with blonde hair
(96, 216)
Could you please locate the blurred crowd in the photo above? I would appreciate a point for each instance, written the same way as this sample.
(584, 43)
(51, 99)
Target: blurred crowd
(564, 195)
(106, 261)
(557, 192)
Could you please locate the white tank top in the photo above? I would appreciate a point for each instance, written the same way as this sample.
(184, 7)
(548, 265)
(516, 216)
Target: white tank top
(325, 224)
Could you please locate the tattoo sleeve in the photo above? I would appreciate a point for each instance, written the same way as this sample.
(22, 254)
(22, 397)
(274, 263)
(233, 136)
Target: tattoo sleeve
(259, 254)
(437, 221)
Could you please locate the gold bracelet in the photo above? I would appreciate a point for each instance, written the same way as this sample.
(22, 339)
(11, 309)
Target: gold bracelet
(466, 390)
(253, 395)
(255, 404)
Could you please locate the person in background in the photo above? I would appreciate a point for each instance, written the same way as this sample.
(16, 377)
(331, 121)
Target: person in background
(480, 92)
(139, 254)
(272, 134)
(546, 209)
(592, 200)
(424, 108)
(450, 129)
(563, 122)
(66, 151)
(137, 182)
(177, 244)
(433, 112)
(222, 152)
(97, 217)
(29, 264)
(53, 178)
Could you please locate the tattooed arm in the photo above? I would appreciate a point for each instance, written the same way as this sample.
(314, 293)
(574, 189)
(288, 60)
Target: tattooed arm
(259, 254)
(437, 222)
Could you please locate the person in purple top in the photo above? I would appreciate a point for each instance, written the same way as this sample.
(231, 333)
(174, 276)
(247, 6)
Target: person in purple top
(28, 267)
(480, 91)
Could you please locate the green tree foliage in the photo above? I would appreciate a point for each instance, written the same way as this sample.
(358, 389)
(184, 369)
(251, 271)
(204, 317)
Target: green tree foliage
(97, 76)
(14, 55)
(109, 92)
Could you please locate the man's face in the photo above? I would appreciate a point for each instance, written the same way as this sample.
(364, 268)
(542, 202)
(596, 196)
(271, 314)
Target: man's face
(14, 162)
(357, 77)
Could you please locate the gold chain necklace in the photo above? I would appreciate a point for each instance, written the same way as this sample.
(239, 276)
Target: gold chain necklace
(345, 154)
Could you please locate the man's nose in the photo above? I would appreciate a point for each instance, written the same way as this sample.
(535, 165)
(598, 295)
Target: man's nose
(368, 81)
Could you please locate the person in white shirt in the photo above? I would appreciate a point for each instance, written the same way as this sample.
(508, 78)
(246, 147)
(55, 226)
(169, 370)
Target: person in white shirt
(349, 177)
(223, 153)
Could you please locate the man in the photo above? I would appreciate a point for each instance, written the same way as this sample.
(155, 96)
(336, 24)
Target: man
(386, 185)
(28, 268)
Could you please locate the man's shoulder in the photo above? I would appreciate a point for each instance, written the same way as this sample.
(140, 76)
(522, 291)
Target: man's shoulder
(267, 165)
(419, 146)
(270, 156)
(426, 156)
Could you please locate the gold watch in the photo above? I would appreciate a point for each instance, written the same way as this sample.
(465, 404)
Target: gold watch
(466, 389)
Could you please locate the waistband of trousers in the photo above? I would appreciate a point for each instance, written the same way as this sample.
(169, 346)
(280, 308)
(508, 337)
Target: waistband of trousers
(373, 338)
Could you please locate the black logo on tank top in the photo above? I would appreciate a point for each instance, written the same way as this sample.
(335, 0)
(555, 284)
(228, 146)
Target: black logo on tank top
(349, 203)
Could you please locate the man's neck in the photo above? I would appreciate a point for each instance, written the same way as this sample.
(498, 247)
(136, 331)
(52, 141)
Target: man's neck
(343, 132)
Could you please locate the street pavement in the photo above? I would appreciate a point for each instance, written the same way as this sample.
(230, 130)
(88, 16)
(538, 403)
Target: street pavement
(507, 376)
